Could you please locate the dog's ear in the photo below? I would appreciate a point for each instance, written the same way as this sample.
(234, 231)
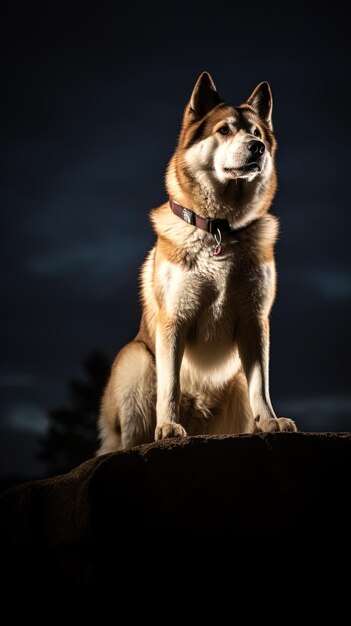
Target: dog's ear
(262, 102)
(205, 96)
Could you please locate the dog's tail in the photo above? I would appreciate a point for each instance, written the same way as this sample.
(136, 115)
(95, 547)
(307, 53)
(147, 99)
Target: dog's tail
(111, 440)
(108, 425)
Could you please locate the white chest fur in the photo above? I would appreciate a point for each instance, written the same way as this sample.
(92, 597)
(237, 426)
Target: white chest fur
(209, 300)
(186, 291)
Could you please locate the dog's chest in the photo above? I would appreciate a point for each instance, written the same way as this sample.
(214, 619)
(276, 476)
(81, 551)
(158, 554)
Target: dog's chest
(216, 276)
(213, 292)
(215, 318)
(203, 291)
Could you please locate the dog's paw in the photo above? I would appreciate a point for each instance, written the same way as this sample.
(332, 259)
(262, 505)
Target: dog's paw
(274, 425)
(286, 425)
(169, 429)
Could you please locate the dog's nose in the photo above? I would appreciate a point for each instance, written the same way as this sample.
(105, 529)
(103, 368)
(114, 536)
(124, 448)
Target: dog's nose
(256, 148)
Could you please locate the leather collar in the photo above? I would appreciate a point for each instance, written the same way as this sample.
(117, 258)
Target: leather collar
(211, 226)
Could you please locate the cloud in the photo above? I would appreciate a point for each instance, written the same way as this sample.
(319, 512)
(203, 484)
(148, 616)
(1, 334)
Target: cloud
(26, 418)
(100, 260)
(18, 380)
(319, 412)
(333, 284)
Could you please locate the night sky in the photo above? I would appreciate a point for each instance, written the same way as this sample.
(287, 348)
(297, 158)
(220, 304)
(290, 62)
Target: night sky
(92, 99)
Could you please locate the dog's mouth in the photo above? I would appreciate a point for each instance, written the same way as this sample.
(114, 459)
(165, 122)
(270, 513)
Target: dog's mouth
(248, 168)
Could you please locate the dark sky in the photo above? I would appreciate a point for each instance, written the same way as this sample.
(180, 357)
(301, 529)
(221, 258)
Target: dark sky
(92, 98)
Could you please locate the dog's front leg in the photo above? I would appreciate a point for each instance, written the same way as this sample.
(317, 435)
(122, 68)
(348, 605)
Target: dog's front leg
(170, 338)
(253, 343)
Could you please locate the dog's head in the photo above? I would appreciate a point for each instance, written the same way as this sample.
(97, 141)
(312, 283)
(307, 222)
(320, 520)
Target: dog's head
(221, 143)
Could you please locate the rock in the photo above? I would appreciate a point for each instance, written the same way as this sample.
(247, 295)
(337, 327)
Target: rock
(172, 492)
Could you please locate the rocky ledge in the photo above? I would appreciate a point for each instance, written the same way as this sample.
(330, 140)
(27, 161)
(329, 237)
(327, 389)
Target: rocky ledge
(249, 486)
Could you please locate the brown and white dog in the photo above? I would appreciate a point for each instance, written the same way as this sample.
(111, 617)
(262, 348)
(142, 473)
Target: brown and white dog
(199, 364)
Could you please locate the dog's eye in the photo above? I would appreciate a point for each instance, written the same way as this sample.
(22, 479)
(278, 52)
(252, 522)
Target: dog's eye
(257, 132)
(224, 130)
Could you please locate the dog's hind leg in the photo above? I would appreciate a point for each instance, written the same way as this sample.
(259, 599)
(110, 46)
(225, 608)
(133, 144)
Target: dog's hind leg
(128, 409)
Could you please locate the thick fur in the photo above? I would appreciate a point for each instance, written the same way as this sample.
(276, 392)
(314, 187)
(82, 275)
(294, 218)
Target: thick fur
(199, 364)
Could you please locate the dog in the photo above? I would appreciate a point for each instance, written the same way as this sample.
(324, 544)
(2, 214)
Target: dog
(199, 363)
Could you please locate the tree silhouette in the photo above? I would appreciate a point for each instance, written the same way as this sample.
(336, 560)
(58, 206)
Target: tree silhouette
(72, 433)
